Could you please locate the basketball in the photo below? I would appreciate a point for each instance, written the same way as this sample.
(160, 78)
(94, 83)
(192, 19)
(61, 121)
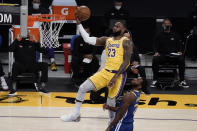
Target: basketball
(83, 13)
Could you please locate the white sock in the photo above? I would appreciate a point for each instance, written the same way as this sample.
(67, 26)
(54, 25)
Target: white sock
(111, 102)
(77, 108)
(52, 60)
(84, 87)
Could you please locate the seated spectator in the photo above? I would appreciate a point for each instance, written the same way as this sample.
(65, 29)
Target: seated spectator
(135, 70)
(84, 62)
(168, 48)
(25, 62)
(37, 7)
(3, 83)
(117, 13)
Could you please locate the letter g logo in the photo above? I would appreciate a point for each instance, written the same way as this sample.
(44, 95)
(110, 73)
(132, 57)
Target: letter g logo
(64, 11)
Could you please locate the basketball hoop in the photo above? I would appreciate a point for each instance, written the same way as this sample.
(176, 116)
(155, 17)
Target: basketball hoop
(49, 28)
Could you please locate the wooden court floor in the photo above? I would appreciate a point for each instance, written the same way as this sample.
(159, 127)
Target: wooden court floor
(30, 111)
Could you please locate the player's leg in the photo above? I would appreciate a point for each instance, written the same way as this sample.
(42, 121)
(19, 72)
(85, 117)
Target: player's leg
(84, 87)
(117, 89)
(114, 93)
(111, 102)
(43, 68)
(97, 81)
(17, 69)
(2, 79)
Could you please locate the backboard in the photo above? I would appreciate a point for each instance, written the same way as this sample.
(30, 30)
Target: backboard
(9, 14)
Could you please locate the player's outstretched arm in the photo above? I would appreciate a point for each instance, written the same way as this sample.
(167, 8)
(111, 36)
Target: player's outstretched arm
(128, 50)
(127, 101)
(86, 37)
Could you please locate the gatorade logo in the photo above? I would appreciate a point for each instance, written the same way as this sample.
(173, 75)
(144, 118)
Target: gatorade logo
(5, 18)
(64, 11)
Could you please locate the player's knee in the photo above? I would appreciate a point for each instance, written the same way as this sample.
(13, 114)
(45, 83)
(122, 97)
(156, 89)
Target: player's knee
(82, 88)
(86, 86)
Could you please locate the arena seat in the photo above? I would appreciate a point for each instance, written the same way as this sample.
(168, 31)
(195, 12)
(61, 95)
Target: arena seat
(28, 77)
(167, 76)
(25, 78)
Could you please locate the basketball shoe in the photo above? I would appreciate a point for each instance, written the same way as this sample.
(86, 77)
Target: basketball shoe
(3, 84)
(183, 84)
(13, 90)
(70, 118)
(53, 66)
(41, 88)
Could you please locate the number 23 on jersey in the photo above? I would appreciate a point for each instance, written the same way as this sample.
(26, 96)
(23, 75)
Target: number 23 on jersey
(111, 52)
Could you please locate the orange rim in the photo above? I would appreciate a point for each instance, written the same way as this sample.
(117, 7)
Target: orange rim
(47, 17)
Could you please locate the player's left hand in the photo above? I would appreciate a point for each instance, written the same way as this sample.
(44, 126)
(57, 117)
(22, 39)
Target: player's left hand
(105, 107)
(112, 82)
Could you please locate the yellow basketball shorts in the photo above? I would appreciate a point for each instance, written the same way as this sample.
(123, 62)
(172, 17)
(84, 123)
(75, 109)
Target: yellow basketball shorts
(101, 79)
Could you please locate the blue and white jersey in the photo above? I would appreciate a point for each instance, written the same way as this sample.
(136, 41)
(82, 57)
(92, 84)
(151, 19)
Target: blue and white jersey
(128, 117)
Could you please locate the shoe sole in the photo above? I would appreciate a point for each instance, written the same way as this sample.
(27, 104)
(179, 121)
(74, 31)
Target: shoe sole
(5, 89)
(184, 86)
(77, 120)
(42, 93)
(11, 95)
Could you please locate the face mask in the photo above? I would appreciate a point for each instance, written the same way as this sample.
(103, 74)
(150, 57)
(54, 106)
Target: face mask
(118, 7)
(36, 6)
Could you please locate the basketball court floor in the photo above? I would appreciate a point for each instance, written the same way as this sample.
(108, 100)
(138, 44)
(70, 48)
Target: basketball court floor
(31, 111)
(172, 109)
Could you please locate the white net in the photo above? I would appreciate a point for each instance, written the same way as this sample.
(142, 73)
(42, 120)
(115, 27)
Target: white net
(49, 33)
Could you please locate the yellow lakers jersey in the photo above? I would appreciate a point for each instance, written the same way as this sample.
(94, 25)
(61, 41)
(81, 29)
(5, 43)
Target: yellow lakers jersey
(114, 53)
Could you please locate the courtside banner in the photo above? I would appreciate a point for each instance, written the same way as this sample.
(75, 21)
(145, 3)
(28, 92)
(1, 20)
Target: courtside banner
(9, 15)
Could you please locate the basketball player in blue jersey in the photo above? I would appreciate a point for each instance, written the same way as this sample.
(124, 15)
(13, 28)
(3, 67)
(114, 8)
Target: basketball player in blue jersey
(118, 52)
(123, 120)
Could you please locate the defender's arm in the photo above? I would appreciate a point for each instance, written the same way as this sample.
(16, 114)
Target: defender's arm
(127, 101)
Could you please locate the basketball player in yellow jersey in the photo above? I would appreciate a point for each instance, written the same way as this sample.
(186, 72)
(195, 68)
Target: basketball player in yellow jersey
(118, 52)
